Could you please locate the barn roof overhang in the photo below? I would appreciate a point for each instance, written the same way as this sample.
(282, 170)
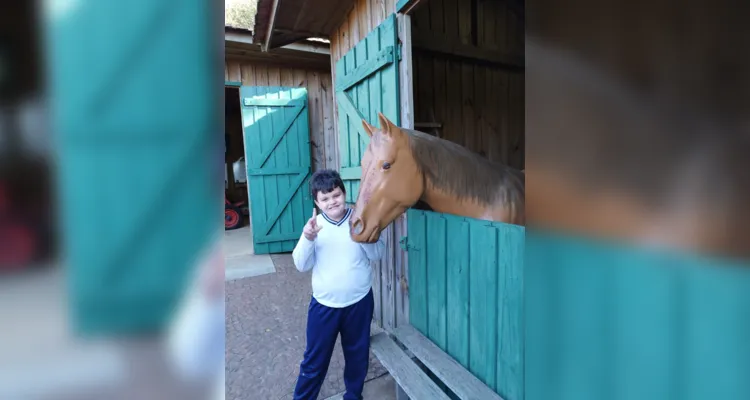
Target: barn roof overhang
(282, 22)
(308, 54)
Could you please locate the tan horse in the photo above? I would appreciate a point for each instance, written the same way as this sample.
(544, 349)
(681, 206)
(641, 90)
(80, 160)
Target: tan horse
(401, 167)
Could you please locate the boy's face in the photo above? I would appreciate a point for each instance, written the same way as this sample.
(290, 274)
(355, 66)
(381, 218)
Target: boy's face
(332, 203)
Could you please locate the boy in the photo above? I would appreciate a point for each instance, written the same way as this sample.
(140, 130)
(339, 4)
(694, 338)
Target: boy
(342, 300)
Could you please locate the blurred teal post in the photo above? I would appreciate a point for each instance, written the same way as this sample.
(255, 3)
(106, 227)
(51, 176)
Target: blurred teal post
(136, 92)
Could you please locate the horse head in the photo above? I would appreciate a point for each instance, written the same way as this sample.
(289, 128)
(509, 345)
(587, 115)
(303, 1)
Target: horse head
(391, 181)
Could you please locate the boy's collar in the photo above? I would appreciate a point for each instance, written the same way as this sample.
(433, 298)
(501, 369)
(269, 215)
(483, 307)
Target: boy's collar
(347, 213)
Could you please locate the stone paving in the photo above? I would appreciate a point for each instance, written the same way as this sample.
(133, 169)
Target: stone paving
(265, 336)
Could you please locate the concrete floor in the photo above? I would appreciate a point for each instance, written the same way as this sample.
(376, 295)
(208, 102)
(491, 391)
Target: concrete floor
(241, 262)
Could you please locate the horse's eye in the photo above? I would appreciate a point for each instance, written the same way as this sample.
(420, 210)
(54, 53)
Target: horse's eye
(386, 165)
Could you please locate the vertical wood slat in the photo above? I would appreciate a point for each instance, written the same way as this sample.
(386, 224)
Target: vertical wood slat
(466, 294)
(406, 93)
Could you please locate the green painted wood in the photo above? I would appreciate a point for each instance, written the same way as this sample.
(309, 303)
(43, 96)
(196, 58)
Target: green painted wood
(382, 59)
(249, 101)
(232, 84)
(437, 235)
(131, 162)
(457, 306)
(366, 83)
(277, 150)
(635, 323)
(483, 312)
(466, 294)
(418, 251)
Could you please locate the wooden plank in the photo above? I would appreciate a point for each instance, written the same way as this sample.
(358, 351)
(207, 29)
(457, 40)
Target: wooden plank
(402, 272)
(457, 301)
(281, 204)
(406, 95)
(437, 236)
(468, 107)
(234, 72)
(416, 243)
(266, 102)
(363, 18)
(406, 73)
(362, 94)
(453, 102)
(464, 22)
(388, 297)
(293, 170)
(354, 124)
(278, 135)
(482, 313)
(329, 123)
(278, 184)
(317, 136)
(440, 94)
(509, 382)
(446, 368)
(441, 44)
(415, 383)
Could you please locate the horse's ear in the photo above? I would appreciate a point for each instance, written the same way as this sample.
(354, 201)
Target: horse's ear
(385, 125)
(368, 128)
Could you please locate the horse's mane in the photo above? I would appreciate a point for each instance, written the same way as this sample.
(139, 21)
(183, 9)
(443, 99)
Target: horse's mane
(456, 170)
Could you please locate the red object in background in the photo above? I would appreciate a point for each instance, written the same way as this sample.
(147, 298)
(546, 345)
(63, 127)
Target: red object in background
(17, 246)
(19, 237)
(232, 215)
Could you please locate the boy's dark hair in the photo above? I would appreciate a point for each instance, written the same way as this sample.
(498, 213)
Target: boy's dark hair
(325, 181)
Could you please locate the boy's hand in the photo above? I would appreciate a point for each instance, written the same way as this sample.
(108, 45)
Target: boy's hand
(311, 228)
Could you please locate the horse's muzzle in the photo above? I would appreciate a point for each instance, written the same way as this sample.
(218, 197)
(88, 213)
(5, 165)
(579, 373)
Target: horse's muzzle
(356, 226)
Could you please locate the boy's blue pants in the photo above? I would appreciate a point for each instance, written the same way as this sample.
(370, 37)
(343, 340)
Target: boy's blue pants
(323, 327)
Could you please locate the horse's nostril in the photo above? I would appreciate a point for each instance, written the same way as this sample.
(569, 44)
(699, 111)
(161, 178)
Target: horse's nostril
(357, 226)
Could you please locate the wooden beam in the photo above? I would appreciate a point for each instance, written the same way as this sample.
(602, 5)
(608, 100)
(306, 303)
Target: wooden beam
(308, 48)
(238, 37)
(441, 44)
(406, 74)
(271, 23)
(380, 60)
(282, 63)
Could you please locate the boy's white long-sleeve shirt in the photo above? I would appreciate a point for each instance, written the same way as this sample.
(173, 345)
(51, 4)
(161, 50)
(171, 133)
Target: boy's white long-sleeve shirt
(341, 271)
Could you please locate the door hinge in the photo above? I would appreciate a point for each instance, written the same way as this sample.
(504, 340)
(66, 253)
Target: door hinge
(398, 51)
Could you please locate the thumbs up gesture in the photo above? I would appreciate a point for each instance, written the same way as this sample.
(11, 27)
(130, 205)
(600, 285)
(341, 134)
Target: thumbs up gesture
(312, 228)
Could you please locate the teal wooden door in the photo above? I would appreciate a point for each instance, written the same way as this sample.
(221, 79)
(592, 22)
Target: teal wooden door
(466, 294)
(139, 159)
(366, 83)
(277, 154)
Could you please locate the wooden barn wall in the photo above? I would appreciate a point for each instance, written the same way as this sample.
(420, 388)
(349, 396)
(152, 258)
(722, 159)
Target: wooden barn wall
(389, 280)
(480, 106)
(320, 101)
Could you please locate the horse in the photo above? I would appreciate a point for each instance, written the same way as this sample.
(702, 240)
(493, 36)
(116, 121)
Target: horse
(401, 167)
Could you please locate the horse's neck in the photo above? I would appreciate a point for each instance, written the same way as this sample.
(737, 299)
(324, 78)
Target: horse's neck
(443, 202)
